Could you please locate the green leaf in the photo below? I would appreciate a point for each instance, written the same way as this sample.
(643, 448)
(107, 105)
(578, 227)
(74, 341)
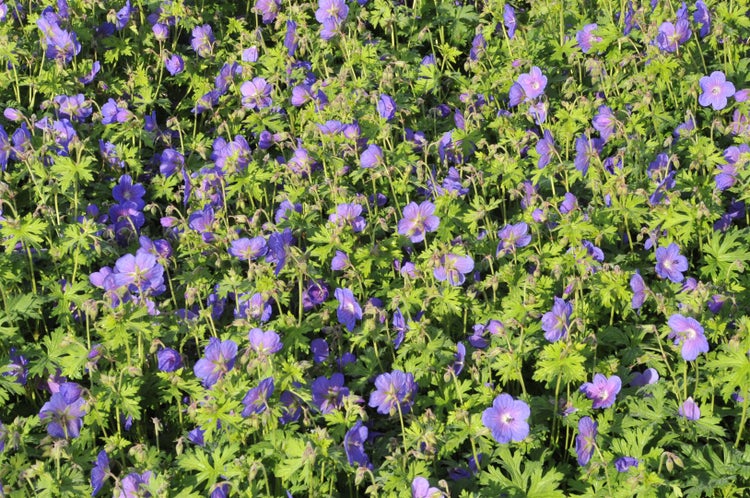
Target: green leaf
(561, 360)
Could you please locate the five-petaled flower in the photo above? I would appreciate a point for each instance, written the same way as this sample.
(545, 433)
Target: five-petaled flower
(506, 419)
(603, 391)
(264, 343)
(394, 392)
(220, 358)
(716, 90)
(328, 394)
(532, 83)
(418, 220)
(688, 332)
(453, 268)
(556, 323)
(512, 237)
(670, 263)
(64, 411)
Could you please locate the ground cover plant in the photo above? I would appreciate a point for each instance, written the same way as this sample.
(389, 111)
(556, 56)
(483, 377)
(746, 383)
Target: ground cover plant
(424, 248)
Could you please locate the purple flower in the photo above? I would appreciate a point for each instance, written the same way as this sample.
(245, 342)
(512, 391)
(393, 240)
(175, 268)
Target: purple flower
(269, 9)
(418, 220)
(716, 303)
(689, 409)
(638, 286)
(319, 349)
(291, 409)
(716, 90)
(17, 367)
(556, 323)
(702, 17)
(203, 40)
(291, 40)
(420, 488)
(586, 149)
(515, 95)
(394, 391)
(202, 222)
(586, 440)
(340, 261)
(278, 242)
(140, 273)
(604, 122)
(74, 107)
(61, 45)
(545, 147)
(285, 209)
(168, 360)
(371, 156)
(99, 472)
(386, 107)
(349, 310)
(113, 113)
(95, 67)
(509, 20)
(349, 214)
(538, 112)
(248, 249)
(264, 343)
(689, 333)
(649, 376)
(671, 36)
(256, 94)
(328, 394)
(170, 162)
(458, 359)
(478, 46)
(453, 268)
(603, 391)
(256, 307)
(354, 441)
(532, 83)
(12, 114)
(331, 14)
(220, 490)
(132, 483)
(256, 399)
(316, 293)
(452, 183)
(622, 464)
(220, 358)
(670, 263)
(684, 129)
(126, 190)
(400, 326)
(226, 75)
(479, 331)
(506, 419)
(586, 37)
(174, 64)
(161, 31)
(512, 237)
(64, 412)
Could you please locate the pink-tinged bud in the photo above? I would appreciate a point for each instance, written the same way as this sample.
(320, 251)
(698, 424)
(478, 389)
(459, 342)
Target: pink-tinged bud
(12, 114)
(168, 221)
